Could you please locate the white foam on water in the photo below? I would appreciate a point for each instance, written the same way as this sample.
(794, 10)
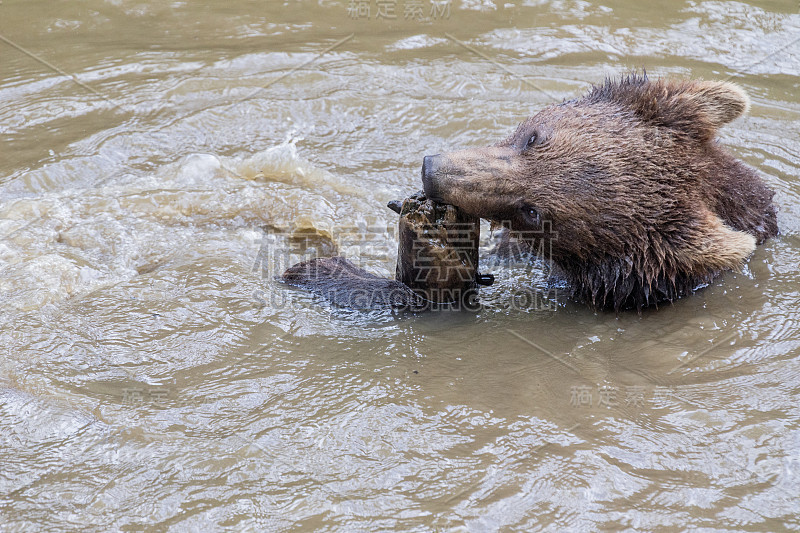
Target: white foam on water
(59, 244)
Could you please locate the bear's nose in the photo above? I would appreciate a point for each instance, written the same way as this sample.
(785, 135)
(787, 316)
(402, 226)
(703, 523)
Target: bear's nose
(430, 165)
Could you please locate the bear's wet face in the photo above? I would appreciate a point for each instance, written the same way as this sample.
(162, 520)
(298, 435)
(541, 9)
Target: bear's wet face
(643, 205)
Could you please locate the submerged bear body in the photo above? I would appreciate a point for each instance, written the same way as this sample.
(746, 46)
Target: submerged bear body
(639, 202)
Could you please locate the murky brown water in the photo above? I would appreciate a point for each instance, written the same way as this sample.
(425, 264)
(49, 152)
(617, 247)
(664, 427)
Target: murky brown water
(155, 376)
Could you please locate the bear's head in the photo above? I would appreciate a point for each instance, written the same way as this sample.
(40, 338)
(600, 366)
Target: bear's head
(639, 201)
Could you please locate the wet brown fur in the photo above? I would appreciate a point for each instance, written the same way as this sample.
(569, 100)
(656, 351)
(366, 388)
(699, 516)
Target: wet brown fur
(644, 204)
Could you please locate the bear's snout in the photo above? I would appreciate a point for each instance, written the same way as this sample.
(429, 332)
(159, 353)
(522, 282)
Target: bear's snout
(476, 180)
(430, 166)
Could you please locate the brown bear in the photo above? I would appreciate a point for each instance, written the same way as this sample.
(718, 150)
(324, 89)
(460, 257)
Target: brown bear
(639, 202)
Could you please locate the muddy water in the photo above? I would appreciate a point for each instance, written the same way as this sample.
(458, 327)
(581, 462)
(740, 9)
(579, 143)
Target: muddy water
(154, 375)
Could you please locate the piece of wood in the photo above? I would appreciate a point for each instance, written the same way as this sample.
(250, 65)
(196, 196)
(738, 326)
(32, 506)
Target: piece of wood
(437, 253)
(436, 264)
(346, 285)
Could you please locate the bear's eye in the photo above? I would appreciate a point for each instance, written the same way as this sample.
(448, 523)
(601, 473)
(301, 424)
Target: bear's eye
(533, 140)
(532, 215)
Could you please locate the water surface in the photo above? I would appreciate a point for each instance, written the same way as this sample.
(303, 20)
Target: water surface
(156, 376)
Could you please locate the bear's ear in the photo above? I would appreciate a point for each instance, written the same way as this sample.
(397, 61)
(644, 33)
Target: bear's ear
(698, 108)
(718, 247)
(691, 109)
(719, 102)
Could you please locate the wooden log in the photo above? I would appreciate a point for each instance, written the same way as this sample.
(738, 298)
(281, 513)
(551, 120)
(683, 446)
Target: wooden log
(437, 253)
(436, 264)
(346, 285)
